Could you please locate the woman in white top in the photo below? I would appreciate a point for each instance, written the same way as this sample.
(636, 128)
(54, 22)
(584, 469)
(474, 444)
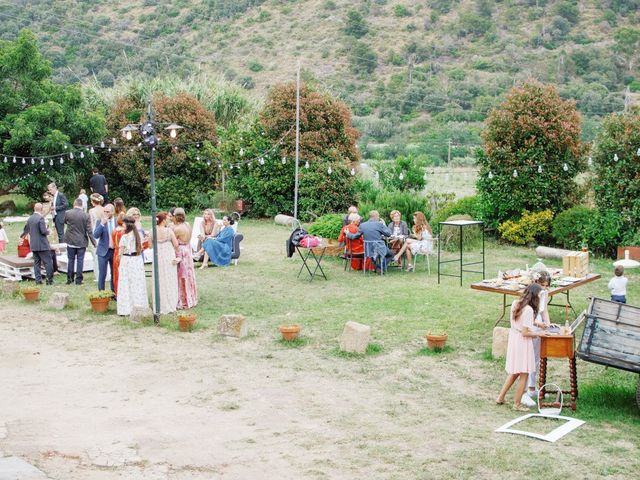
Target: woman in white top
(421, 243)
(132, 284)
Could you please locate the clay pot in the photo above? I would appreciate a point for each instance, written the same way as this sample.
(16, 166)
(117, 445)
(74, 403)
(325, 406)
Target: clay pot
(31, 295)
(99, 305)
(289, 332)
(436, 341)
(186, 322)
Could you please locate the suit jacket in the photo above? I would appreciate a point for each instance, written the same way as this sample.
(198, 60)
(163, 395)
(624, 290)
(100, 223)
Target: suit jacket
(374, 230)
(404, 229)
(37, 230)
(78, 231)
(101, 233)
(62, 205)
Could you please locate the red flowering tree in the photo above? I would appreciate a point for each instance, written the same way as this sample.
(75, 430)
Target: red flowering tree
(532, 153)
(182, 174)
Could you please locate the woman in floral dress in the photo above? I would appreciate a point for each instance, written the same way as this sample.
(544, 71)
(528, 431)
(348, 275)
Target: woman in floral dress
(132, 284)
(187, 287)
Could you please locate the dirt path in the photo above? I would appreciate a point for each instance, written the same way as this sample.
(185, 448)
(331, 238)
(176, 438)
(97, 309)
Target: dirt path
(99, 400)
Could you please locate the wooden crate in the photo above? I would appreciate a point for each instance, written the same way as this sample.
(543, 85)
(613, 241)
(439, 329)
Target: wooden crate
(575, 264)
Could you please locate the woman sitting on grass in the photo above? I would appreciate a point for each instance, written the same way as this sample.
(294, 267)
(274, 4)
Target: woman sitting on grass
(219, 249)
(520, 354)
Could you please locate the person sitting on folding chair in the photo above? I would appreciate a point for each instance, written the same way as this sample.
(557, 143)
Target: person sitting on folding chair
(374, 231)
(420, 244)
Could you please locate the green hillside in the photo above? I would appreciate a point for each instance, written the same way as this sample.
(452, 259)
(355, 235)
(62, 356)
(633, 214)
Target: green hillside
(416, 73)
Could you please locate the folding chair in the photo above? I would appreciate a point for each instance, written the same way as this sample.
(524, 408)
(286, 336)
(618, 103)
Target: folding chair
(372, 252)
(434, 248)
(349, 255)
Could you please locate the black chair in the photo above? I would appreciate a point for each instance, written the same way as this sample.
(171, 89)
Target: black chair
(235, 250)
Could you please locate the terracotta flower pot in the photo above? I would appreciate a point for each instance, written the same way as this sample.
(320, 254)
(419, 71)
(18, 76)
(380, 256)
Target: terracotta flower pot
(289, 332)
(31, 295)
(99, 305)
(186, 322)
(436, 341)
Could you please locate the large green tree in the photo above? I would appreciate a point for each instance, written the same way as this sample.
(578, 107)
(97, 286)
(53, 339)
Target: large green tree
(532, 153)
(40, 118)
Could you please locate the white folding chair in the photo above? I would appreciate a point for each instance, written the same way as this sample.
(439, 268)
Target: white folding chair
(426, 255)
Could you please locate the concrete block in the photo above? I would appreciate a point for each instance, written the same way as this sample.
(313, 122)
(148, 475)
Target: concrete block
(355, 337)
(58, 300)
(500, 340)
(233, 326)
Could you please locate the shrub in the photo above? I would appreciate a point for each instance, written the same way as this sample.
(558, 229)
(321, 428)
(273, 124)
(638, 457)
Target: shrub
(604, 232)
(255, 66)
(363, 59)
(532, 129)
(450, 236)
(531, 226)
(569, 227)
(385, 201)
(355, 24)
(405, 173)
(401, 11)
(469, 206)
(327, 226)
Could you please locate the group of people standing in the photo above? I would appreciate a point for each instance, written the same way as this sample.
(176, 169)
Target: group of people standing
(389, 242)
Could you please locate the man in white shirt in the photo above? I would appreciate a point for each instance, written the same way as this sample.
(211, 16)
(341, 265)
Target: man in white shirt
(59, 206)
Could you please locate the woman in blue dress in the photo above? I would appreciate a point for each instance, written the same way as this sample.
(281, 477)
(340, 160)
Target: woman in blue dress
(218, 249)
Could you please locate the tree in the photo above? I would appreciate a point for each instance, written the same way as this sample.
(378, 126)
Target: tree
(627, 44)
(532, 152)
(327, 142)
(39, 118)
(182, 174)
(405, 173)
(355, 24)
(363, 59)
(617, 167)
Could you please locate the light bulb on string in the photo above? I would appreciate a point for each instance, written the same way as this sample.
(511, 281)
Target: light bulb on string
(5, 160)
(306, 164)
(92, 150)
(128, 135)
(424, 177)
(198, 158)
(353, 171)
(515, 173)
(101, 144)
(242, 152)
(24, 161)
(51, 162)
(539, 168)
(590, 161)
(109, 150)
(284, 160)
(61, 160)
(208, 163)
(638, 152)
(33, 161)
(401, 176)
(42, 161)
(329, 170)
(261, 161)
(197, 145)
(377, 175)
(114, 141)
(14, 159)
(615, 157)
(565, 167)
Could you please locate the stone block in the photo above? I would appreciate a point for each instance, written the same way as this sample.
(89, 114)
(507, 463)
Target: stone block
(141, 314)
(500, 340)
(355, 337)
(233, 326)
(58, 300)
(10, 288)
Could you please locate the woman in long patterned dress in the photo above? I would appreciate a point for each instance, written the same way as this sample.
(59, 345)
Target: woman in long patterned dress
(167, 266)
(187, 287)
(116, 235)
(132, 288)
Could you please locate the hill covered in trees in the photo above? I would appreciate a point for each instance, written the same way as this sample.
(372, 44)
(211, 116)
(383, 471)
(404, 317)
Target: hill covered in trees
(417, 74)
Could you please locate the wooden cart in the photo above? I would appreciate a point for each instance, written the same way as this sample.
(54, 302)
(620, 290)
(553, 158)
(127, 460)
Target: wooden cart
(611, 336)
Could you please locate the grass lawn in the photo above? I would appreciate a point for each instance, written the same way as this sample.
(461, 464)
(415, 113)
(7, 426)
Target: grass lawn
(401, 308)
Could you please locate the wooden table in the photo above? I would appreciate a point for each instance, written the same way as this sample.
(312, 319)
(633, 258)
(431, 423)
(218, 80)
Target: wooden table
(558, 346)
(564, 290)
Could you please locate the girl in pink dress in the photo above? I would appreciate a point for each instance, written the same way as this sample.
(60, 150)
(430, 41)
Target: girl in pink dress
(520, 355)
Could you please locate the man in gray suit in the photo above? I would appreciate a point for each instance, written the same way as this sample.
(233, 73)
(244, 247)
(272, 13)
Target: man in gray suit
(37, 230)
(77, 236)
(374, 232)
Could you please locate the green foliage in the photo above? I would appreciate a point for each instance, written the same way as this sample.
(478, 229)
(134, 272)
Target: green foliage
(464, 206)
(385, 201)
(401, 11)
(362, 58)
(567, 9)
(569, 227)
(472, 24)
(634, 86)
(604, 232)
(532, 153)
(355, 24)
(40, 118)
(530, 227)
(617, 167)
(327, 226)
(450, 235)
(255, 66)
(410, 168)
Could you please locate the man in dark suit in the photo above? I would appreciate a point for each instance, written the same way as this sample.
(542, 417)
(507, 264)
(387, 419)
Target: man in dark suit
(374, 231)
(98, 184)
(77, 236)
(104, 250)
(37, 230)
(60, 205)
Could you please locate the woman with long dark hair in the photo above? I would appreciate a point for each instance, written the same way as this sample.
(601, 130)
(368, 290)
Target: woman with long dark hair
(520, 354)
(132, 284)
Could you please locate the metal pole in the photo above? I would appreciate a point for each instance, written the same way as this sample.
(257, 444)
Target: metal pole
(295, 189)
(156, 280)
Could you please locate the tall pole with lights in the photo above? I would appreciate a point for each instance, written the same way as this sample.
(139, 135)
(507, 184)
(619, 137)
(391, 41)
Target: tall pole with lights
(147, 131)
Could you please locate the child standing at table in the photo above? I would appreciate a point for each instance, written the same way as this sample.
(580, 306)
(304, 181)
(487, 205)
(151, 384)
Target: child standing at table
(618, 285)
(520, 354)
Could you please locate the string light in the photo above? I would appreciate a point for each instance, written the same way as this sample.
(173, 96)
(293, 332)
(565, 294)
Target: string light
(92, 150)
(329, 170)
(71, 155)
(615, 157)
(306, 164)
(590, 161)
(24, 161)
(114, 141)
(424, 177)
(638, 152)
(5, 160)
(61, 160)
(42, 161)
(401, 176)
(539, 168)
(515, 173)
(490, 174)
(101, 146)
(565, 167)
(32, 161)
(261, 161)
(208, 163)
(284, 160)
(353, 171)
(241, 152)
(51, 162)
(14, 159)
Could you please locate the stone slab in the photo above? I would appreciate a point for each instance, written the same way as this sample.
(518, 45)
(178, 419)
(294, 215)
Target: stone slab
(355, 337)
(233, 326)
(500, 341)
(58, 300)
(15, 468)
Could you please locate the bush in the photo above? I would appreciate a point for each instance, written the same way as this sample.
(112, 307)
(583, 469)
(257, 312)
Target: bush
(604, 232)
(385, 201)
(531, 226)
(401, 11)
(327, 226)
(363, 59)
(569, 227)
(469, 206)
(410, 168)
(450, 236)
(355, 24)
